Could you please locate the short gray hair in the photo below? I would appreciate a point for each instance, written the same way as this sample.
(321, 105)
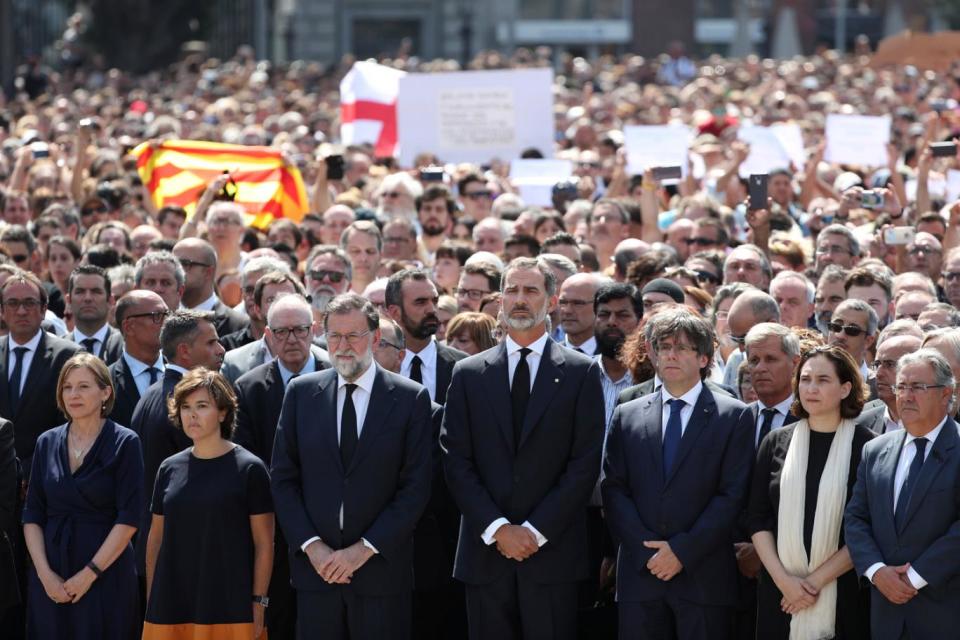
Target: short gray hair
(855, 304)
(347, 302)
(794, 275)
(159, 257)
(559, 262)
(950, 335)
(262, 265)
(289, 300)
(942, 373)
(390, 323)
(671, 322)
(531, 264)
(953, 314)
(841, 230)
(726, 292)
(179, 327)
(329, 250)
(764, 260)
(901, 327)
(789, 342)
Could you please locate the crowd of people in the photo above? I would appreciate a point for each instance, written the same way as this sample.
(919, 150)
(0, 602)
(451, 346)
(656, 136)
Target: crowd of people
(428, 409)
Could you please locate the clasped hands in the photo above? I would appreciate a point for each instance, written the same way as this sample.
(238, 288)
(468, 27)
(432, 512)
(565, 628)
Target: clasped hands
(69, 591)
(663, 564)
(798, 594)
(515, 542)
(337, 567)
(894, 583)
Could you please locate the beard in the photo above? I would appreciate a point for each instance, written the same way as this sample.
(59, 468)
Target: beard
(524, 323)
(320, 298)
(423, 329)
(609, 342)
(351, 369)
(433, 230)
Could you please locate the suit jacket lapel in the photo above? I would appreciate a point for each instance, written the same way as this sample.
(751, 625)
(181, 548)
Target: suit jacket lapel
(702, 414)
(4, 379)
(651, 426)
(274, 381)
(942, 450)
(444, 373)
(378, 412)
(327, 390)
(496, 383)
(38, 367)
(886, 473)
(549, 377)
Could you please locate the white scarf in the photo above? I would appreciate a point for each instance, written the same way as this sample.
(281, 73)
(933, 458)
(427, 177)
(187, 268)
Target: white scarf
(817, 622)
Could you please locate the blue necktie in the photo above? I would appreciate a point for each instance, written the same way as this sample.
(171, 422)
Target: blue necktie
(906, 491)
(671, 439)
(153, 372)
(18, 352)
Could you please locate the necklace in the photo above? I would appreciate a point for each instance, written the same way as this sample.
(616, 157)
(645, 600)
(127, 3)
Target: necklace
(78, 453)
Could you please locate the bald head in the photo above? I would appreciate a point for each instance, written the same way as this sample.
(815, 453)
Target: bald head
(135, 302)
(750, 308)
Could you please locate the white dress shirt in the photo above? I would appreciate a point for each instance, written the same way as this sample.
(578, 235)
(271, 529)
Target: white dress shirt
(533, 363)
(361, 401)
(428, 366)
(31, 346)
(782, 411)
(889, 424)
(100, 337)
(208, 304)
(689, 400)
(588, 346)
(907, 454)
(141, 371)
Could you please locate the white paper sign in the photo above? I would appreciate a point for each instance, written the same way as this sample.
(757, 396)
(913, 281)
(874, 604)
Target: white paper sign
(937, 187)
(791, 137)
(860, 140)
(475, 116)
(534, 178)
(953, 185)
(766, 151)
(656, 146)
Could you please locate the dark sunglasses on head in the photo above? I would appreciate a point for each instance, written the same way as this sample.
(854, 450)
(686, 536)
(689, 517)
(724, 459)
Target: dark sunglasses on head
(851, 330)
(320, 274)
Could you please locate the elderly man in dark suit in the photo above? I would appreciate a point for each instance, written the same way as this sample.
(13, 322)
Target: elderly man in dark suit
(901, 523)
(411, 300)
(89, 299)
(676, 469)
(199, 261)
(289, 330)
(351, 476)
(521, 438)
(140, 315)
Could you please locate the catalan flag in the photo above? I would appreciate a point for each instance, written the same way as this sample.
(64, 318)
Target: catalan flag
(177, 171)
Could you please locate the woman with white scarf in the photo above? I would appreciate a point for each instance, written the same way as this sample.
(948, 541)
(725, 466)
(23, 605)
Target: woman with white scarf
(805, 472)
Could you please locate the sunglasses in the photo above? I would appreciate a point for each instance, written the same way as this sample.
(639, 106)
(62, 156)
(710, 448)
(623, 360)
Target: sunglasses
(333, 276)
(700, 242)
(851, 330)
(706, 276)
(478, 195)
(90, 212)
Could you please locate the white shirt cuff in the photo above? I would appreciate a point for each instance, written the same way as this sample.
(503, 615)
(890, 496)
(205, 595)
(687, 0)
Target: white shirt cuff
(540, 539)
(487, 535)
(306, 544)
(872, 569)
(367, 544)
(915, 579)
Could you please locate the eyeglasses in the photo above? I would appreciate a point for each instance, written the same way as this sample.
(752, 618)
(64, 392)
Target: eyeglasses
(27, 303)
(393, 194)
(333, 276)
(679, 349)
(884, 364)
(834, 249)
(90, 212)
(20, 257)
(156, 316)
(951, 276)
(473, 294)
(386, 343)
(851, 330)
(915, 251)
(916, 387)
(740, 340)
(702, 242)
(334, 339)
(299, 331)
(221, 222)
(478, 195)
(563, 302)
(187, 264)
(706, 276)
(396, 240)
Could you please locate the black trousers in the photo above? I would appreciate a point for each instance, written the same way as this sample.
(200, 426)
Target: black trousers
(513, 609)
(439, 613)
(673, 619)
(343, 614)
(281, 615)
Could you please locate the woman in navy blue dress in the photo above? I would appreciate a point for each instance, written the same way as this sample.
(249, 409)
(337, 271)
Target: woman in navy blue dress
(83, 505)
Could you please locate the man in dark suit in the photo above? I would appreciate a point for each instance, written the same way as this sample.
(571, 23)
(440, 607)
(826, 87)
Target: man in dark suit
(188, 339)
(199, 261)
(676, 470)
(253, 270)
(351, 476)
(521, 438)
(30, 361)
(853, 328)
(901, 522)
(89, 299)
(411, 300)
(289, 330)
(140, 315)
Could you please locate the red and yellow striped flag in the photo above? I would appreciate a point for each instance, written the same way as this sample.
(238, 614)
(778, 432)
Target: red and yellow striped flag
(177, 171)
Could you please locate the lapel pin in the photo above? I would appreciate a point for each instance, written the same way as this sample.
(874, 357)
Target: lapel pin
(556, 379)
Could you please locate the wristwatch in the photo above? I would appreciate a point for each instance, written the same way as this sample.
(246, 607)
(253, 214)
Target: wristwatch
(263, 601)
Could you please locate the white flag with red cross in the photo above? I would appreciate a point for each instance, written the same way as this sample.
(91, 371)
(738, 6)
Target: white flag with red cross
(368, 107)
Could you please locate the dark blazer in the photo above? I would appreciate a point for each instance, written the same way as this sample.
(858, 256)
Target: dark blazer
(226, 320)
(446, 358)
(929, 539)
(37, 410)
(383, 491)
(127, 393)
(110, 349)
(872, 418)
(9, 520)
(237, 339)
(159, 439)
(259, 399)
(547, 480)
(645, 388)
(695, 508)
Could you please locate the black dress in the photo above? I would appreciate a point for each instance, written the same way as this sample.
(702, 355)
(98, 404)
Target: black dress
(853, 602)
(203, 579)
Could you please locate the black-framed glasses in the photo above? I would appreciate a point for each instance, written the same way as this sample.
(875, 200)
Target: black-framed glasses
(156, 316)
(19, 258)
(951, 276)
(563, 302)
(187, 264)
(740, 340)
(915, 251)
(706, 276)
(333, 276)
(479, 195)
(916, 387)
(90, 211)
(473, 294)
(27, 303)
(700, 242)
(851, 330)
(299, 331)
(386, 343)
(884, 364)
